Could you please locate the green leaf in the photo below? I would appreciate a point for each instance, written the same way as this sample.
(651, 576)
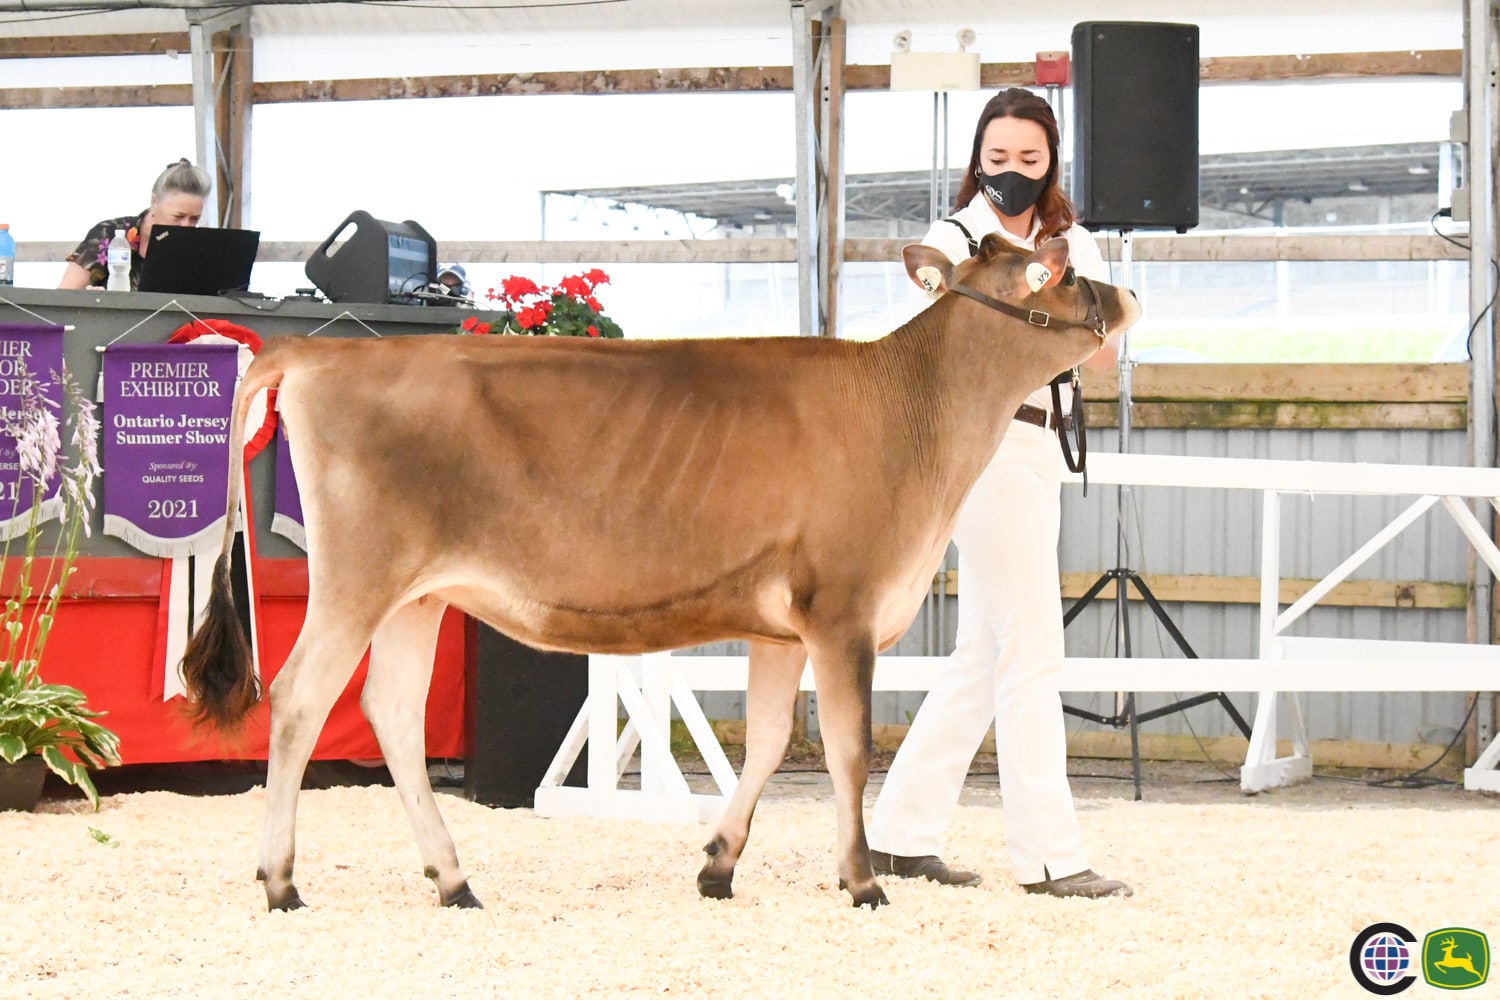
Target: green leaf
(11, 747)
(102, 837)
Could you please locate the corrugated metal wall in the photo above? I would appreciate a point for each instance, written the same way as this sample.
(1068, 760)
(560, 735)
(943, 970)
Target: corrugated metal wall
(1218, 532)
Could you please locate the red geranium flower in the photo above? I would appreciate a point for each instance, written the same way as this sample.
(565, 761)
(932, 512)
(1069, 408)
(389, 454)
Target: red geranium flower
(567, 309)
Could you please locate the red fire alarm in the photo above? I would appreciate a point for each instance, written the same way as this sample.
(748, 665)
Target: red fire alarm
(1051, 69)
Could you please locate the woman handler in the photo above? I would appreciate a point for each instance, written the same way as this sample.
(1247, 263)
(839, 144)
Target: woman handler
(1009, 654)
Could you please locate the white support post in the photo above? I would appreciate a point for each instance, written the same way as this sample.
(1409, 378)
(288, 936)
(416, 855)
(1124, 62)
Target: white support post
(646, 687)
(1262, 768)
(659, 771)
(1361, 555)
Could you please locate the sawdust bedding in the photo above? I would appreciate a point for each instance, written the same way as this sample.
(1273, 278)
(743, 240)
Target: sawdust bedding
(154, 896)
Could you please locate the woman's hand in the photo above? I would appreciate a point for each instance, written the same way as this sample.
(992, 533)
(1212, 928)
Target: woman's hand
(1107, 356)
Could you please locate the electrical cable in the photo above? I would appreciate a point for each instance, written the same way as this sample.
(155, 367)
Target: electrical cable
(1411, 780)
(1447, 213)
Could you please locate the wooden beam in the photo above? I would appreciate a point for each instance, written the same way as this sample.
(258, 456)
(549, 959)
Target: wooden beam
(1240, 247)
(1230, 751)
(1331, 66)
(1197, 588)
(832, 159)
(65, 46)
(143, 96)
(1322, 383)
(629, 81)
(1227, 751)
(762, 250)
(1204, 589)
(1282, 416)
(744, 79)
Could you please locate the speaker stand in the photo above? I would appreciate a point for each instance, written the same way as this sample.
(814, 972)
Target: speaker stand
(1123, 577)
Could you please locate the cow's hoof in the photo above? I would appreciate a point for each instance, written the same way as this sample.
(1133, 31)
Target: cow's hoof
(712, 885)
(285, 902)
(464, 899)
(872, 896)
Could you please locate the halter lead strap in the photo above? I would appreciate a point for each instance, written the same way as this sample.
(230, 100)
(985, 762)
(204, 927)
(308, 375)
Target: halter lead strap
(1093, 321)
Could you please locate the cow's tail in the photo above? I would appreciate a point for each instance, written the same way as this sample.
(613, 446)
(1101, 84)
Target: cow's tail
(217, 668)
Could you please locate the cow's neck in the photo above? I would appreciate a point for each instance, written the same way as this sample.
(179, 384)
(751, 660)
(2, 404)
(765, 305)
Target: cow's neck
(961, 371)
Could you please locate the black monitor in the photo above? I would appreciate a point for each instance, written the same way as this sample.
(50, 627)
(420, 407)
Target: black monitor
(188, 260)
(371, 260)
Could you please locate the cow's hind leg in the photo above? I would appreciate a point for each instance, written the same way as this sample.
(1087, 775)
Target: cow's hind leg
(395, 702)
(319, 665)
(844, 671)
(771, 693)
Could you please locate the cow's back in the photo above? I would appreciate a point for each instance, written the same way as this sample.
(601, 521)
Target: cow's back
(604, 477)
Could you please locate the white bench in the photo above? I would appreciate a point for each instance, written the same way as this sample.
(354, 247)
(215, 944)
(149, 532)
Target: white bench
(649, 686)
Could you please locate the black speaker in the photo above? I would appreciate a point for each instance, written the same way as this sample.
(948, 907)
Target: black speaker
(1135, 135)
(519, 704)
(374, 261)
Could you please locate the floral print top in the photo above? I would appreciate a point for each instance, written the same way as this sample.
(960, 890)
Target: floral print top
(93, 253)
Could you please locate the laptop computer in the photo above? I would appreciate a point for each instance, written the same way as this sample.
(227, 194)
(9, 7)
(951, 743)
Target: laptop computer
(188, 260)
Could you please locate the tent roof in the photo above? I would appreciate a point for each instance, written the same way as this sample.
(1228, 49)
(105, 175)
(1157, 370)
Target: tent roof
(318, 40)
(1230, 181)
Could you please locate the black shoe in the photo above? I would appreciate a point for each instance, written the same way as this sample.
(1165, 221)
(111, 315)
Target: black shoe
(1087, 884)
(928, 866)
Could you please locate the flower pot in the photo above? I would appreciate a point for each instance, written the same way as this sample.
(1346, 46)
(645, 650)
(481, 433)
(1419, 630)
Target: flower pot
(21, 783)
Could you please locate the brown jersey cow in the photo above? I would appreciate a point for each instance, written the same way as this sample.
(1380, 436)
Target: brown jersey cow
(632, 496)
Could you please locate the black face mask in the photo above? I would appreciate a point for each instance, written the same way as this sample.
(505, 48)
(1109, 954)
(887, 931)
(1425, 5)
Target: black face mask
(1011, 192)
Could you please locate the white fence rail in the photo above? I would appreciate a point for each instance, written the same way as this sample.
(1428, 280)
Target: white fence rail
(1284, 667)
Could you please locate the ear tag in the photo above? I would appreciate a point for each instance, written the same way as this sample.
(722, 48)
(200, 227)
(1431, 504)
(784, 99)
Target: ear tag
(1037, 276)
(930, 277)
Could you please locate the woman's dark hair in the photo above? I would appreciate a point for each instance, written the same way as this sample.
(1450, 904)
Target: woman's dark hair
(1053, 208)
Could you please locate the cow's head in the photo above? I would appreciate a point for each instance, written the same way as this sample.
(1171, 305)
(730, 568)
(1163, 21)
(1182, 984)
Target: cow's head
(1036, 286)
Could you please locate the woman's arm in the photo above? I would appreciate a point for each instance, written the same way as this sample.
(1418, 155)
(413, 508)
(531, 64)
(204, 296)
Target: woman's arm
(75, 277)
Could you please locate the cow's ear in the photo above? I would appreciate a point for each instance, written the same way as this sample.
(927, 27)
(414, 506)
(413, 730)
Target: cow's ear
(928, 266)
(1046, 265)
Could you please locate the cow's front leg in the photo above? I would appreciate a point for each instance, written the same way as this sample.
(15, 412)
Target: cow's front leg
(395, 702)
(771, 695)
(844, 671)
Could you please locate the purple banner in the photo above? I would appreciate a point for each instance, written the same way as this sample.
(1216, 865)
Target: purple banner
(166, 445)
(287, 520)
(31, 361)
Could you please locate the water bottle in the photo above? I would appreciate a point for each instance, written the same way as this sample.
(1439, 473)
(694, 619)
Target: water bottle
(119, 263)
(7, 255)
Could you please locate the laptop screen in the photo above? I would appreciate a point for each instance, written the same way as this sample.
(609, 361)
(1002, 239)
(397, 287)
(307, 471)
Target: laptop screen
(188, 260)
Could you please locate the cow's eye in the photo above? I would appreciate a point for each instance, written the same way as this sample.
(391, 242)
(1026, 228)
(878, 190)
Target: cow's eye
(1069, 278)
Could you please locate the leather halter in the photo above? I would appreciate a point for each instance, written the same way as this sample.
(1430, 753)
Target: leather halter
(1093, 321)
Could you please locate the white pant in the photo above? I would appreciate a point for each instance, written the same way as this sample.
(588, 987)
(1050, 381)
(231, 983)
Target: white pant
(1004, 668)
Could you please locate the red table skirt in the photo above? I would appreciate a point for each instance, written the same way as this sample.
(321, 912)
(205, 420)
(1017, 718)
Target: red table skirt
(104, 639)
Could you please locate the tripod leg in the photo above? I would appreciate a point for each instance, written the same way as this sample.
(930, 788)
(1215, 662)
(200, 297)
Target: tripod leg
(1161, 614)
(1135, 744)
(1187, 650)
(1087, 597)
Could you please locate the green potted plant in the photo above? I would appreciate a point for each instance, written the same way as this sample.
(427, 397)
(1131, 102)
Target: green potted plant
(46, 726)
